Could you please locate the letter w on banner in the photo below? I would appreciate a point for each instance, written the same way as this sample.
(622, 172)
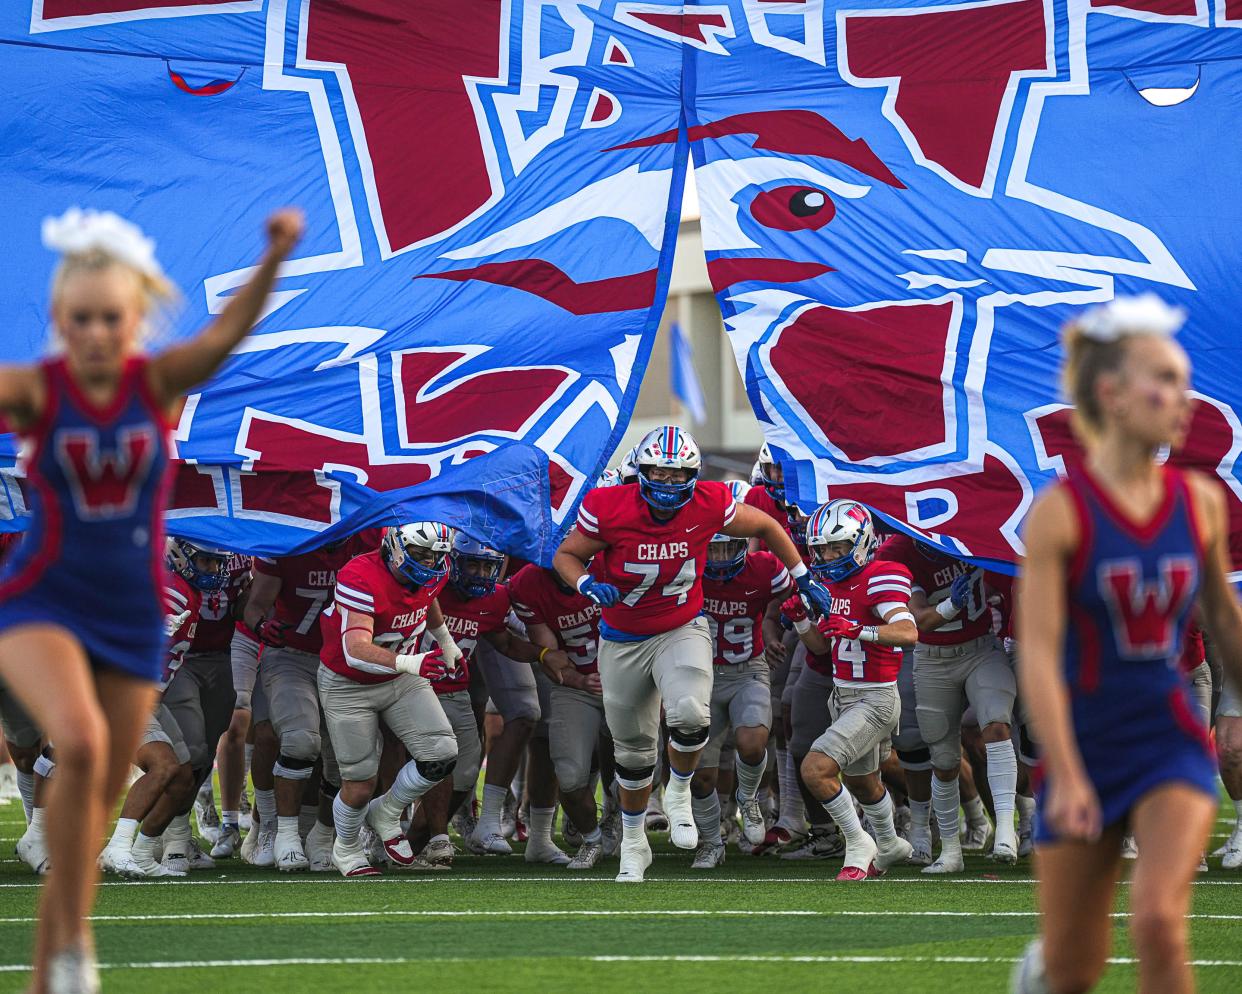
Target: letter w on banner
(464, 330)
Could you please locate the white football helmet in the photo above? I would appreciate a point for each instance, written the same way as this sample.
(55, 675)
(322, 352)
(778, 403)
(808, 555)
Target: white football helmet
(401, 541)
(609, 478)
(672, 448)
(840, 521)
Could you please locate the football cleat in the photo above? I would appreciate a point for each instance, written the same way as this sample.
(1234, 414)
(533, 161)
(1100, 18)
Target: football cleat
(288, 855)
(352, 860)
(899, 852)
(588, 854)
(977, 836)
(635, 858)
(1129, 848)
(111, 857)
(140, 864)
(227, 844)
(466, 820)
(1026, 843)
(852, 874)
(753, 826)
(207, 816)
(860, 857)
(682, 831)
(439, 852)
(388, 830)
(610, 829)
(32, 850)
(546, 852)
(708, 856)
(490, 845)
(1004, 852)
(920, 850)
(1203, 864)
(199, 860)
(1231, 857)
(318, 848)
(821, 843)
(775, 838)
(265, 850)
(950, 862)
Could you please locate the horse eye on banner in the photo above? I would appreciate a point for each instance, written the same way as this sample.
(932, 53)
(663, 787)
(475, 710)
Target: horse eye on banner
(793, 208)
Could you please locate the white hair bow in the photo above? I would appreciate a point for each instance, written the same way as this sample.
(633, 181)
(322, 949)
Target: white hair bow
(78, 231)
(1145, 314)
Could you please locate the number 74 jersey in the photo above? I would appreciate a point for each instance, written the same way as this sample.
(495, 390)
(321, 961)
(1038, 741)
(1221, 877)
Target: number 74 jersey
(657, 565)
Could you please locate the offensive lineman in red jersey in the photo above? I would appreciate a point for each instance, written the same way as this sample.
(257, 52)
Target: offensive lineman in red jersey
(742, 594)
(559, 617)
(649, 542)
(868, 625)
(286, 599)
(370, 670)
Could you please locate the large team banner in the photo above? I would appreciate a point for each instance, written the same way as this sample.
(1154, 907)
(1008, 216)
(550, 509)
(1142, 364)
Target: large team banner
(902, 202)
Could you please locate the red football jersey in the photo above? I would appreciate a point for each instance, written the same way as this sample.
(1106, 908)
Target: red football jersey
(759, 498)
(366, 586)
(216, 622)
(467, 620)
(735, 608)
(657, 565)
(572, 618)
(934, 577)
(306, 583)
(179, 597)
(857, 598)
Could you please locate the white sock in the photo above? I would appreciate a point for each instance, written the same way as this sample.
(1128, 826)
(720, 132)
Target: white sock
(288, 828)
(678, 783)
(842, 810)
(633, 825)
(493, 805)
(707, 816)
(880, 814)
(793, 810)
(976, 814)
(144, 847)
(920, 817)
(748, 777)
(946, 800)
(26, 787)
(1026, 812)
(265, 804)
(594, 836)
(539, 829)
(348, 820)
(178, 832)
(1003, 781)
(230, 819)
(407, 788)
(36, 820)
(123, 834)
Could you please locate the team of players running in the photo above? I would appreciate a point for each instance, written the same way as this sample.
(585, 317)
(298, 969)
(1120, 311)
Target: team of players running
(800, 698)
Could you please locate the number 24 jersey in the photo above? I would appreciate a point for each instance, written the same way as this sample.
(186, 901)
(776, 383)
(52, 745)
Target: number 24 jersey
(657, 565)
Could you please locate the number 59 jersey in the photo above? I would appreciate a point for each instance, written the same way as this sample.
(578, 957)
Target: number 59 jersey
(366, 586)
(657, 565)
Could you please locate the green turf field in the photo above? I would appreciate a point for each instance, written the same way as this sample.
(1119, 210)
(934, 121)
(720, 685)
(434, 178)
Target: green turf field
(495, 924)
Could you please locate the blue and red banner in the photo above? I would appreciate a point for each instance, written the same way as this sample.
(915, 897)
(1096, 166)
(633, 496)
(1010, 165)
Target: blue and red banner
(902, 202)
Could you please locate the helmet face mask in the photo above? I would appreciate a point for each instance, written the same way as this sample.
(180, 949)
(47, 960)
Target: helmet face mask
(667, 448)
(726, 556)
(837, 525)
(203, 567)
(476, 567)
(405, 545)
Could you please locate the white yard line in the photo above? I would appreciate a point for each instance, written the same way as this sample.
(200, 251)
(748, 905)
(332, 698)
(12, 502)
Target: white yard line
(475, 961)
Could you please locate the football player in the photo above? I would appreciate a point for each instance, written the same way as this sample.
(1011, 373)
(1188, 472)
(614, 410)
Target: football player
(742, 595)
(863, 633)
(1229, 749)
(476, 608)
(558, 617)
(370, 670)
(161, 798)
(649, 541)
(283, 608)
(958, 660)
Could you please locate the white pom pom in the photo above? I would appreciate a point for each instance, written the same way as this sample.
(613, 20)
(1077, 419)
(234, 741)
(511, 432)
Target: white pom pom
(1145, 314)
(77, 231)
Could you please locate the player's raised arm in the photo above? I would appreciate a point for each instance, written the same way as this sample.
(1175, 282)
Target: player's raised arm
(1051, 536)
(185, 365)
(1222, 616)
(570, 562)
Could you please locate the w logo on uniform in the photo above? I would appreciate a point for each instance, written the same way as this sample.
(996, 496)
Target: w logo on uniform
(105, 483)
(1144, 611)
